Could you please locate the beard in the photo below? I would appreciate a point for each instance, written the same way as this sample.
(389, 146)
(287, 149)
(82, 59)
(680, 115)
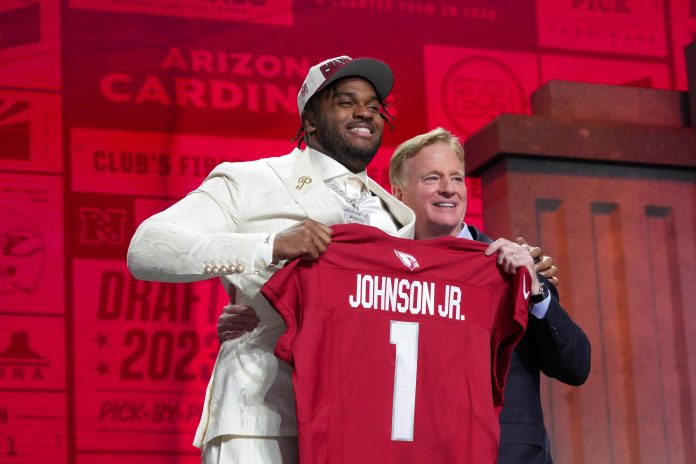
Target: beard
(353, 156)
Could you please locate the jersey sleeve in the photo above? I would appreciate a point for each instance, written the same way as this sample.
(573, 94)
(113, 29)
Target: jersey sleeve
(283, 291)
(508, 330)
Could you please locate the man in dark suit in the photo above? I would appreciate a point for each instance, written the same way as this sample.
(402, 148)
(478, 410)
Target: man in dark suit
(427, 174)
(554, 345)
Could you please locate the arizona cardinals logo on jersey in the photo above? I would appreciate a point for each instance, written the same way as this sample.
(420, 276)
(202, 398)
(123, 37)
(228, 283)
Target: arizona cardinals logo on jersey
(408, 260)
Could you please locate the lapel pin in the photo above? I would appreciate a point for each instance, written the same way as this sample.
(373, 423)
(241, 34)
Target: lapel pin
(302, 181)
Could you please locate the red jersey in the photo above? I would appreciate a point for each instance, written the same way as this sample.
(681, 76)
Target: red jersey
(400, 347)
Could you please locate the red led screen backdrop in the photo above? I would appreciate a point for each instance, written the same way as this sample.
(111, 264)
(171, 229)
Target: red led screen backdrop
(148, 351)
(30, 131)
(111, 110)
(467, 88)
(30, 44)
(622, 26)
(258, 11)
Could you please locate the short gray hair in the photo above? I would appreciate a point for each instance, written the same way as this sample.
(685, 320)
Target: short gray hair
(412, 146)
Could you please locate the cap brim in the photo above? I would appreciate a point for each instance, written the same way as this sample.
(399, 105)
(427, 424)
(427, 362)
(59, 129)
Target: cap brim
(377, 72)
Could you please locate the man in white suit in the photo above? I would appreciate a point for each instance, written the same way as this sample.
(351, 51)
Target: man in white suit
(246, 219)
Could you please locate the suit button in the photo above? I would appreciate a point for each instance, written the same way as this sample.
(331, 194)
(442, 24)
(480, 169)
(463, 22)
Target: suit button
(240, 268)
(208, 270)
(215, 270)
(224, 270)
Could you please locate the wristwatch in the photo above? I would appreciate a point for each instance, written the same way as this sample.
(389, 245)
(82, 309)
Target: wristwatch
(541, 296)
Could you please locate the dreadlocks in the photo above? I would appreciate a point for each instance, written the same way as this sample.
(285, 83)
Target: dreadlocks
(312, 107)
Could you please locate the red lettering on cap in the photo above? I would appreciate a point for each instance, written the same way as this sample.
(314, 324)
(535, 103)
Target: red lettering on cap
(332, 66)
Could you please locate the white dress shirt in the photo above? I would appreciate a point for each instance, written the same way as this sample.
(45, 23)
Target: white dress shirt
(353, 186)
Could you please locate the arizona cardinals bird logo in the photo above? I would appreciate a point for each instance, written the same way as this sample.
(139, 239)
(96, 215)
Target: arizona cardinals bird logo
(408, 260)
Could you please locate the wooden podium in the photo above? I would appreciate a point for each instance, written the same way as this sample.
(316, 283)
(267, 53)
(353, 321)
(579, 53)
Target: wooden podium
(604, 178)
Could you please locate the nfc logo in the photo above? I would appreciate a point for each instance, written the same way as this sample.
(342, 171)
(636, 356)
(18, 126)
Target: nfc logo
(102, 226)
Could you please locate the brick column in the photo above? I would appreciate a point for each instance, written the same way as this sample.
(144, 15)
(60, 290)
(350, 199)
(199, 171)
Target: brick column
(604, 178)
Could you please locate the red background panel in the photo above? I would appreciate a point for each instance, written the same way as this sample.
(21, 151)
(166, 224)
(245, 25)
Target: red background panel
(155, 164)
(147, 351)
(32, 389)
(30, 46)
(22, 415)
(111, 110)
(30, 131)
(32, 355)
(255, 11)
(621, 26)
(31, 233)
(467, 88)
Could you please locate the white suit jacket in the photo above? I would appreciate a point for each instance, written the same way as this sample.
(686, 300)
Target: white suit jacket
(217, 228)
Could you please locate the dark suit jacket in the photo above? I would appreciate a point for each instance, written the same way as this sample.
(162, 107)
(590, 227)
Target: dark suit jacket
(555, 346)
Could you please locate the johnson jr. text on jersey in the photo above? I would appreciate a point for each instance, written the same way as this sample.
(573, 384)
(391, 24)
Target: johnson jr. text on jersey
(406, 296)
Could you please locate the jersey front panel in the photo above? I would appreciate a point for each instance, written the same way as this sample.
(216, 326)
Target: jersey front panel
(398, 348)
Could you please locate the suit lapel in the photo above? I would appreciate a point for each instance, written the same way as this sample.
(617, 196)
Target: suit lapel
(305, 185)
(405, 217)
(478, 235)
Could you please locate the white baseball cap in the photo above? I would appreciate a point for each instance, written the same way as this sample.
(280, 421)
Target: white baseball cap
(320, 75)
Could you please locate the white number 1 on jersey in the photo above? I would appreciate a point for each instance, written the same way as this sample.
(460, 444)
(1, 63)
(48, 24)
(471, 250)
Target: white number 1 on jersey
(405, 336)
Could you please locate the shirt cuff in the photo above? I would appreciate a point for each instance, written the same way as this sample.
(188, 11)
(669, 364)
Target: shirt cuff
(264, 251)
(540, 309)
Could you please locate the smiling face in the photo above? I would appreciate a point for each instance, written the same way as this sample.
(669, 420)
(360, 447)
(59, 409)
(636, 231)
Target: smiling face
(433, 187)
(348, 125)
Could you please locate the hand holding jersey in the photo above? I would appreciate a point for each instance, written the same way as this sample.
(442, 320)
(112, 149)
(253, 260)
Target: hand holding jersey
(512, 256)
(307, 240)
(542, 264)
(236, 319)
